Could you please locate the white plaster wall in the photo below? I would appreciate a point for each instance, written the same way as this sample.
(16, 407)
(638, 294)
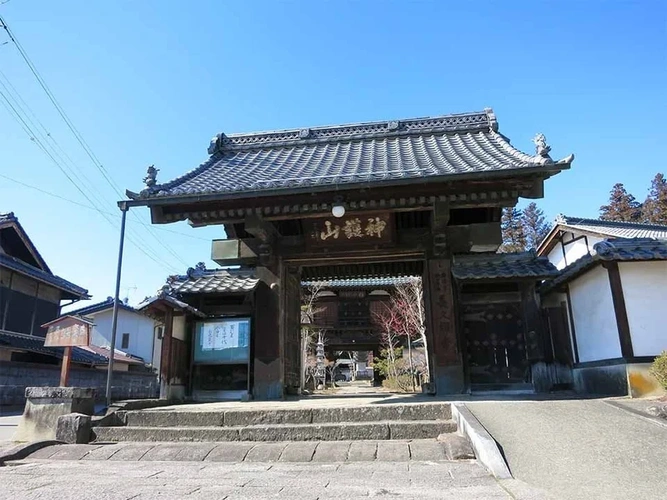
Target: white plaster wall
(139, 327)
(556, 256)
(645, 294)
(178, 330)
(573, 251)
(594, 318)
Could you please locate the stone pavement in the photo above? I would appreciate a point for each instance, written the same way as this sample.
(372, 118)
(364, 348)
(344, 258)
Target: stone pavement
(584, 449)
(296, 451)
(124, 480)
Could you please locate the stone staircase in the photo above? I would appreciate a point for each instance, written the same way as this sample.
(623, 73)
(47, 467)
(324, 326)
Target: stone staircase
(377, 422)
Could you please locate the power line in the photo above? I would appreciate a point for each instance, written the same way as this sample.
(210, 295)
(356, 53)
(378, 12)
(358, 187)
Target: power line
(34, 137)
(83, 205)
(87, 149)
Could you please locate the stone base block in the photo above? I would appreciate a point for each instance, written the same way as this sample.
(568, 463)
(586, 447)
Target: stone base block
(74, 428)
(45, 404)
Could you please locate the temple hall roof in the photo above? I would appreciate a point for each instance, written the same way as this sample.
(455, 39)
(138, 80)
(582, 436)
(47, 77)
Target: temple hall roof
(387, 152)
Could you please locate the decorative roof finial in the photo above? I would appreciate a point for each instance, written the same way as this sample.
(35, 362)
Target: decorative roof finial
(151, 177)
(542, 149)
(561, 219)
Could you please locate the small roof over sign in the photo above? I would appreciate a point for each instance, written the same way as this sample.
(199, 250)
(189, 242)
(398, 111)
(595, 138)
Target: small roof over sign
(67, 331)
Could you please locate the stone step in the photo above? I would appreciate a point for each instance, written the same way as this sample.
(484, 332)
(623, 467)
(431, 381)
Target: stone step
(239, 418)
(348, 431)
(236, 452)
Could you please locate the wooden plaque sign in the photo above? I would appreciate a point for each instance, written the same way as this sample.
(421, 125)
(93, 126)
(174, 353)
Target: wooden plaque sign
(68, 332)
(350, 230)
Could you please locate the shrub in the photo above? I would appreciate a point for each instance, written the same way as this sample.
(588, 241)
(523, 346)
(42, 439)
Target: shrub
(659, 369)
(401, 383)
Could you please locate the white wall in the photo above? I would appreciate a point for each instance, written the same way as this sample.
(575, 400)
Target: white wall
(139, 327)
(573, 251)
(645, 294)
(594, 319)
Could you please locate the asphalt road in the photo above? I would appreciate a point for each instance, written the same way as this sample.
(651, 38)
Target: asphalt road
(579, 449)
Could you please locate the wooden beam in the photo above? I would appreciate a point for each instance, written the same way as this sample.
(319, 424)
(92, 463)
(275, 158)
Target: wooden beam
(260, 228)
(620, 310)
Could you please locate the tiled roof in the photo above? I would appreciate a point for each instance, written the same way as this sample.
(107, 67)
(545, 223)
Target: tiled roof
(614, 229)
(213, 281)
(10, 220)
(119, 356)
(171, 301)
(502, 265)
(617, 249)
(360, 282)
(355, 154)
(50, 279)
(36, 344)
(99, 306)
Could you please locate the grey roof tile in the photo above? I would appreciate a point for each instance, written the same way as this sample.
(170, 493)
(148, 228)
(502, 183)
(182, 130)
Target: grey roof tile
(36, 344)
(213, 281)
(616, 249)
(97, 307)
(614, 229)
(353, 154)
(502, 265)
(50, 279)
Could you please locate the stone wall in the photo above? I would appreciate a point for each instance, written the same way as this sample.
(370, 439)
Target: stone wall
(15, 377)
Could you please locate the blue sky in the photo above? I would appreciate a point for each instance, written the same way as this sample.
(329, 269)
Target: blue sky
(150, 82)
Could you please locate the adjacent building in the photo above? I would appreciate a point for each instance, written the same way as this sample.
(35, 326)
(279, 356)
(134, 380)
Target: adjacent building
(135, 336)
(607, 301)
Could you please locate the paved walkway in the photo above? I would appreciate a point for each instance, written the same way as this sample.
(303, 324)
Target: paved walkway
(296, 451)
(120, 480)
(8, 424)
(585, 449)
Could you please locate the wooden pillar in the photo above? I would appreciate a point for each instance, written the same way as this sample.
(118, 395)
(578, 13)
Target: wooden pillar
(267, 376)
(445, 355)
(533, 326)
(165, 355)
(64, 370)
(620, 311)
(290, 327)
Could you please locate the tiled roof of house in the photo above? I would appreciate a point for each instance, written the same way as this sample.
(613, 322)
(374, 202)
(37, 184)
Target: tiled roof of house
(200, 280)
(119, 356)
(363, 153)
(98, 307)
(502, 265)
(10, 220)
(172, 301)
(617, 249)
(36, 344)
(50, 279)
(605, 228)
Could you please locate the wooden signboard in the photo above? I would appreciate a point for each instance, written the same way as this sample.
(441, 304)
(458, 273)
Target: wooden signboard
(350, 230)
(67, 332)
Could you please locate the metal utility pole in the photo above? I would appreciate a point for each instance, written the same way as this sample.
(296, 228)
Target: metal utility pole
(114, 324)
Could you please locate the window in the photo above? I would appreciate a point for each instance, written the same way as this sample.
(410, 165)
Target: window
(125, 343)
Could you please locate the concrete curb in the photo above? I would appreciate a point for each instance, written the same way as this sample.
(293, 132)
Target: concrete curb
(486, 448)
(637, 413)
(23, 450)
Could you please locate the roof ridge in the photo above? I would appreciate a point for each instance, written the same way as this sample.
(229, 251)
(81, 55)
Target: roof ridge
(476, 120)
(568, 220)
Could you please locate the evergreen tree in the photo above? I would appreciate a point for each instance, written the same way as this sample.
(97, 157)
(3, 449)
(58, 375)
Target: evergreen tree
(535, 227)
(514, 236)
(654, 210)
(622, 206)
